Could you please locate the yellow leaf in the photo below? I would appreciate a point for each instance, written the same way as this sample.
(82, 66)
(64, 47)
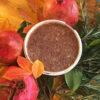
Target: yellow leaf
(5, 25)
(37, 69)
(10, 13)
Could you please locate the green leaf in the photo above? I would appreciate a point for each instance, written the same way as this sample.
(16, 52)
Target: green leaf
(51, 80)
(96, 42)
(73, 79)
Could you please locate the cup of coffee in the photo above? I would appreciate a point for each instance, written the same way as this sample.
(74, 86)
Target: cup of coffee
(54, 43)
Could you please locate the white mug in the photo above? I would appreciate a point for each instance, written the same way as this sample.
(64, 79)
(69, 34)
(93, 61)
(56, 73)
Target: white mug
(74, 31)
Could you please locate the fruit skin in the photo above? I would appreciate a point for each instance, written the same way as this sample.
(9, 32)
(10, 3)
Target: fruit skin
(11, 45)
(30, 92)
(67, 11)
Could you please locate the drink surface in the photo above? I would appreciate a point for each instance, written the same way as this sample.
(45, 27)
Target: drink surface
(55, 45)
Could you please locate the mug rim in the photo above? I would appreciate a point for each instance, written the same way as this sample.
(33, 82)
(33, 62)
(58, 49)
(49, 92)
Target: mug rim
(50, 73)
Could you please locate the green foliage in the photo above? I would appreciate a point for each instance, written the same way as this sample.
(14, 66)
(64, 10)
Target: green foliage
(73, 79)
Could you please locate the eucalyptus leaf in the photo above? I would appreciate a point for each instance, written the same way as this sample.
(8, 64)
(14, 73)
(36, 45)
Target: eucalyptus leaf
(73, 79)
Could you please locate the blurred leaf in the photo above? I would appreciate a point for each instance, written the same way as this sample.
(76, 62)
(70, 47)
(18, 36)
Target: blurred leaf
(2, 68)
(92, 97)
(51, 81)
(27, 15)
(5, 25)
(37, 68)
(14, 72)
(94, 83)
(56, 97)
(93, 44)
(24, 64)
(34, 4)
(73, 79)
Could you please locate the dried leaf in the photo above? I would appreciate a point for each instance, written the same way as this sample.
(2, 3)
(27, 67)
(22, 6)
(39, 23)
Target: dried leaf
(37, 68)
(14, 72)
(24, 64)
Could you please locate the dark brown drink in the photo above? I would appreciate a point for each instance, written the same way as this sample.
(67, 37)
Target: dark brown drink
(55, 45)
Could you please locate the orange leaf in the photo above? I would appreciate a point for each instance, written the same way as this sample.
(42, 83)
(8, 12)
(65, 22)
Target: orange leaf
(28, 16)
(24, 64)
(34, 4)
(4, 25)
(14, 72)
(37, 68)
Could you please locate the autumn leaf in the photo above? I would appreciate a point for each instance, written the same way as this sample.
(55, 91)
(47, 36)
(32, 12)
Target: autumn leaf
(14, 72)
(28, 15)
(34, 4)
(24, 64)
(9, 12)
(56, 97)
(5, 25)
(37, 68)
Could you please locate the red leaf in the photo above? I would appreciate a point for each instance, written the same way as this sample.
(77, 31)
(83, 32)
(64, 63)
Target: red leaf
(24, 64)
(14, 72)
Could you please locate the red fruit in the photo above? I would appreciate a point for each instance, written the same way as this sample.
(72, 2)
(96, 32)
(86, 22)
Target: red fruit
(30, 91)
(11, 45)
(65, 10)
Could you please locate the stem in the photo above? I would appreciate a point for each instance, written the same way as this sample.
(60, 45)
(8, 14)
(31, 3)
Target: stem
(59, 1)
(12, 94)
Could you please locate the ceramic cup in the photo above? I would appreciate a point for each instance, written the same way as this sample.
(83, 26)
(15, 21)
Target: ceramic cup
(74, 31)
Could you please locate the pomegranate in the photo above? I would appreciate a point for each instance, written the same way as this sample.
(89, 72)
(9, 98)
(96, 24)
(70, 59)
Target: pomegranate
(11, 45)
(29, 89)
(25, 89)
(65, 10)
